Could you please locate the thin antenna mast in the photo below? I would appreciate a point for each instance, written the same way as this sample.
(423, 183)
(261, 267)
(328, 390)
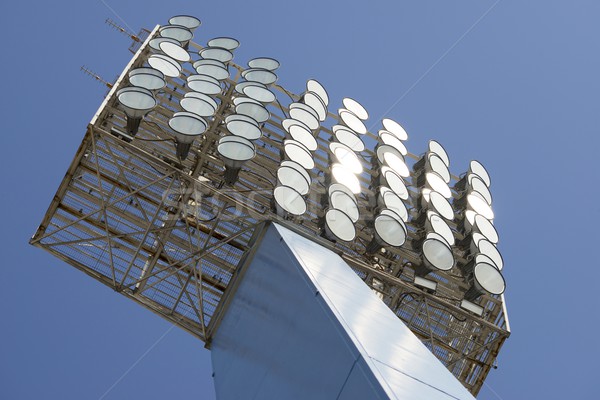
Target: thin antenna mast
(94, 75)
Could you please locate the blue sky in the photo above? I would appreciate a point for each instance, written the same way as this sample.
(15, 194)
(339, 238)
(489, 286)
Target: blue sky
(511, 83)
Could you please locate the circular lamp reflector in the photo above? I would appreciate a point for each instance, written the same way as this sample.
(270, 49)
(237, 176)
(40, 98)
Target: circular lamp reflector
(204, 84)
(264, 62)
(438, 149)
(488, 278)
(226, 43)
(187, 126)
(390, 139)
(258, 92)
(155, 43)
(216, 53)
(341, 200)
(294, 177)
(239, 88)
(313, 100)
(391, 157)
(289, 200)
(198, 103)
(341, 188)
(352, 121)
(439, 204)
(346, 157)
(390, 229)
(235, 150)
(135, 101)
(346, 177)
(478, 169)
(389, 199)
(314, 86)
(147, 78)
(485, 227)
(436, 253)
(177, 32)
(255, 111)
(186, 21)
(478, 185)
(244, 126)
(300, 132)
(175, 51)
(214, 68)
(304, 114)
(339, 226)
(395, 128)
(479, 205)
(165, 64)
(349, 138)
(436, 223)
(260, 75)
(438, 184)
(355, 107)
(296, 151)
(394, 182)
(487, 248)
(437, 165)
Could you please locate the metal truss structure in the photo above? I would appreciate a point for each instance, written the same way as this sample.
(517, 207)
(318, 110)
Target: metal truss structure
(171, 236)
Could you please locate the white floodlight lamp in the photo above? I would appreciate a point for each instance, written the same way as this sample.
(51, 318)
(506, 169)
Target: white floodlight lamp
(346, 157)
(204, 84)
(431, 162)
(342, 188)
(252, 109)
(186, 127)
(390, 200)
(435, 182)
(177, 32)
(391, 139)
(389, 231)
(293, 175)
(155, 43)
(436, 148)
(288, 200)
(234, 151)
(486, 228)
(355, 107)
(352, 121)
(439, 204)
(349, 138)
(199, 104)
(305, 114)
(264, 62)
(429, 285)
(338, 226)
(296, 151)
(315, 102)
(346, 177)
(484, 278)
(395, 128)
(135, 102)
(435, 223)
(243, 125)
(258, 92)
(214, 68)
(388, 177)
(261, 75)
(487, 248)
(186, 21)
(226, 43)
(175, 51)
(388, 155)
(475, 238)
(313, 85)
(344, 201)
(478, 169)
(165, 64)
(216, 53)
(147, 78)
(472, 183)
(477, 203)
(300, 132)
(436, 255)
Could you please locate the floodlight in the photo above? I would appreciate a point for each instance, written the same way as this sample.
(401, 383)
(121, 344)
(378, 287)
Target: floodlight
(175, 51)
(300, 132)
(304, 114)
(391, 157)
(239, 87)
(436, 148)
(486, 228)
(260, 75)
(264, 62)
(344, 201)
(429, 285)
(431, 162)
(288, 200)
(216, 53)
(435, 182)
(355, 107)
(346, 157)
(165, 64)
(186, 21)
(389, 230)
(186, 126)
(346, 177)
(135, 102)
(338, 226)
(243, 125)
(438, 203)
(352, 121)
(389, 178)
(388, 199)
(234, 151)
(348, 137)
(484, 279)
(437, 255)
(199, 103)
(489, 249)
(204, 84)
(147, 78)
(224, 43)
(315, 102)
(292, 174)
(214, 68)
(478, 169)
(395, 128)
(473, 242)
(391, 139)
(476, 202)
(435, 223)
(314, 86)
(258, 92)
(296, 151)
(252, 109)
(155, 43)
(177, 32)
(342, 188)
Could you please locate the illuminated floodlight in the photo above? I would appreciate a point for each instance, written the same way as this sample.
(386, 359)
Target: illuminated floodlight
(288, 200)
(435, 223)
(391, 139)
(389, 231)
(155, 43)
(258, 92)
(260, 75)
(300, 132)
(348, 137)
(292, 174)
(186, 21)
(344, 201)
(484, 279)
(304, 114)
(440, 204)
(437, 183)
(264, 62)
(436, 164)
(436, 148)
(489, 249)
(226, 43)
(313, 85)
(477, 203)
(390, 200)
(478, 185)
(339, 226)
(147, 78)
(352, 121)
(341, 188)
(135, 102)
(478, 169)
(204, 84)
(243, 125)
(177, 32)
(175, 51)
(346, 177)
(315, 102)
(214, 68)
(252, 109)
(437, 255)
(395, 128)
(199, 103)
(346, 157)
(392, 180)
(297, 152)
(355, 107)
(165, 64)
(391, 157)
(216, 53)
(186, 127)
(429, 285)
(486, 228)
(234, 151)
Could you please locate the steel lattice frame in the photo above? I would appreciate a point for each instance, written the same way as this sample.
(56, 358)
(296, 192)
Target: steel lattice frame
(172, 237)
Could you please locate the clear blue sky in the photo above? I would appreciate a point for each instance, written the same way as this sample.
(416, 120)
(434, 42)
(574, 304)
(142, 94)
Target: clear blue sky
(512, 83)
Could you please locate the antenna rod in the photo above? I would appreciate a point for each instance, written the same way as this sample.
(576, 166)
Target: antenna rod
(124, 31)
(94, 75)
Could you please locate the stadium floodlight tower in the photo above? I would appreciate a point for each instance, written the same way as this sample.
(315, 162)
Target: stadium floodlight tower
(204, 196)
